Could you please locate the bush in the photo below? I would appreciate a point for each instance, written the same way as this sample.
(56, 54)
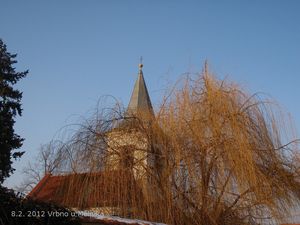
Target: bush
(16, 210)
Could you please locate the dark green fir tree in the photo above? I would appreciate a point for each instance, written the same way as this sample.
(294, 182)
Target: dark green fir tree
(10, 107)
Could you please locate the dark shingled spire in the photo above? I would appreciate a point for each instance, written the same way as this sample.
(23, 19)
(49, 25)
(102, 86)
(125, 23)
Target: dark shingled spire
(140, 101)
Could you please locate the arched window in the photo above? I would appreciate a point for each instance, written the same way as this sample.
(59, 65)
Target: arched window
(127, 157)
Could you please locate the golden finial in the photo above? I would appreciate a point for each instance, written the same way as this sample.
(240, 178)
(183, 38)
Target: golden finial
(141, 63)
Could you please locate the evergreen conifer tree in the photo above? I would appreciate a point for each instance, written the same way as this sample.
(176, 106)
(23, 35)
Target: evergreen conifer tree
(10, 107)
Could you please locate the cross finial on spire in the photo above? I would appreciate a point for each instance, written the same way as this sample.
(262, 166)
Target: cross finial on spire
(141, 63)
(141, 60)
(206, 67)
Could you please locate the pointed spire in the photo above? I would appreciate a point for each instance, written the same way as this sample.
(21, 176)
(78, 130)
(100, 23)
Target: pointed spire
(140, 100)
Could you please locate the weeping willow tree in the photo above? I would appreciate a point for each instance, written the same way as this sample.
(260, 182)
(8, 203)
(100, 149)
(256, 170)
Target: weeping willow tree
(225, 162)
(212, 155)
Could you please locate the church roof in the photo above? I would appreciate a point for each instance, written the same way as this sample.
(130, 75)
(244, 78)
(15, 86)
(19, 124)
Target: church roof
(140, 100)
(85, 190)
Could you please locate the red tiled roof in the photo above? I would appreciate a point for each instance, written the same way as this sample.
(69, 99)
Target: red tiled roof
(86, 190)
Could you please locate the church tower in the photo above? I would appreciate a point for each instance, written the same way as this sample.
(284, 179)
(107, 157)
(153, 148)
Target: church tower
(127, 147)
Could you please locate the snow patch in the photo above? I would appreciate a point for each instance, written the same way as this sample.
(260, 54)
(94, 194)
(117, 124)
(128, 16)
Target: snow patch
(94, 215)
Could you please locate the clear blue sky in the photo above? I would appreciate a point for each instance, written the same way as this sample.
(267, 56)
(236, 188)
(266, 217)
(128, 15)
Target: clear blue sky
(77, 51)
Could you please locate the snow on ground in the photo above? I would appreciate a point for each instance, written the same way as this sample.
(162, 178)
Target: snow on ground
(97, 216)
